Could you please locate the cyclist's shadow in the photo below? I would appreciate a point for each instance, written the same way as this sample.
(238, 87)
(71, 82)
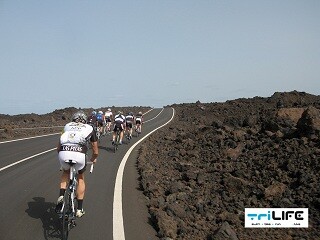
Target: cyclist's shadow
(108, 149)
(45, 211)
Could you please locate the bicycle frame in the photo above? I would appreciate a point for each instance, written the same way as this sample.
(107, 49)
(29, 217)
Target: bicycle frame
(68, 211)
(98, 132)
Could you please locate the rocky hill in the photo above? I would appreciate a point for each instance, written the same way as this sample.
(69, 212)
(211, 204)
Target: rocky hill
(202, 170)
(214, 160)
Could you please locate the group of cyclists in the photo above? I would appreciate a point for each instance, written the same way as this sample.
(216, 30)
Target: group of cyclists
(102, 123)
(74, 140)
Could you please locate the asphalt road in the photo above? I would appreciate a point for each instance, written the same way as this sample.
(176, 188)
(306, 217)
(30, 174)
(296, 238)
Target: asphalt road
(29, 190)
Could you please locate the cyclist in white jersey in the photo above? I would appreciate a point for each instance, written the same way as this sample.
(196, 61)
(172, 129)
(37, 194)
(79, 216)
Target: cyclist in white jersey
(108, 116)
(119, 123)
(73, 144)
(139, 121)
(129, 123)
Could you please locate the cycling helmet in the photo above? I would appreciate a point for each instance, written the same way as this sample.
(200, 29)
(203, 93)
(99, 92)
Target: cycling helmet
(131, 113)
(79, 116)
(140, 113)
(94, 113)
(100, 112)
(109, 109)
(119, 112)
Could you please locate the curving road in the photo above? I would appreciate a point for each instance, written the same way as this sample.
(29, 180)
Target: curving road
(29, 177)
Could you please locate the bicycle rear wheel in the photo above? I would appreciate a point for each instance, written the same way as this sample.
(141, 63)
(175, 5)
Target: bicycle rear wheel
(66, 214)
(117, 140)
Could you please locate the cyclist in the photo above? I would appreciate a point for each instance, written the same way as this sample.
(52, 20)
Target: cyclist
(101, 122)
(73, 144)
(92, 120)
(139, 121)
(108, 117)
(119, 123)
(129, 122)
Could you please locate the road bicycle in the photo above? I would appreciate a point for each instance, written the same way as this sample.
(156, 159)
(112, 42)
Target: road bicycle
(138, 130)
(108, 128)
(68, 210)
(117, 140)
(128, 137)
(98, 133)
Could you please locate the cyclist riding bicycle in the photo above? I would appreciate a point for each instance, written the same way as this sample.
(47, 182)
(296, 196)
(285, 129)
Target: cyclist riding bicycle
(92, 120)
(108, 116)
(119, 124)
(129, 123)
(139, 121)
(73, 144)
(101, 121)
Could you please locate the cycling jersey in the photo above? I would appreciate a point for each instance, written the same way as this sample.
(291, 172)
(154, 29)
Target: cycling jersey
(99, 117)
(108, 114)
(129, 118)
(73, 144)
(119, 118)
(77, 133)
(139, 119)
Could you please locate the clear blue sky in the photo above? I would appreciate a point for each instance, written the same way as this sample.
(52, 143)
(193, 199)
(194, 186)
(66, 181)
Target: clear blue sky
(96, 53)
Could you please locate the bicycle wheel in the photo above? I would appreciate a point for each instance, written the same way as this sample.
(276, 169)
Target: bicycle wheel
(137, 132)
(98, 134)
(116, 143)
(65, 214)
(128, 138)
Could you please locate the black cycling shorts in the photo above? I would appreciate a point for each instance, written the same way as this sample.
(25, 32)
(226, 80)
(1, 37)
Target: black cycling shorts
(118, 126)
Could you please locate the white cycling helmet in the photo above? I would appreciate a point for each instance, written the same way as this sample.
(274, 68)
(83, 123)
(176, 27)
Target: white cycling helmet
(100, 112)
(109, 109)
(79, 116)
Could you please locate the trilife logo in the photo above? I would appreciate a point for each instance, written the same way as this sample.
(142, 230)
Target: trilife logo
(276, 217)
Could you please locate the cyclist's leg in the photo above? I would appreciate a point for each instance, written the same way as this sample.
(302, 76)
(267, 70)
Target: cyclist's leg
(81, 168)
(127, 129)
(122, 129)
(104, 127)
(64, 180)
(80, 190)
(130, 131)
(101, 127)
(114, 133)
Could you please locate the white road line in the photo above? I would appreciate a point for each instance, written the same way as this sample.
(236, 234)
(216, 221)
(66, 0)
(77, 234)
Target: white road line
(30, 128)
(154, 117)
(15, 140)
(25, 159)
(118, 228)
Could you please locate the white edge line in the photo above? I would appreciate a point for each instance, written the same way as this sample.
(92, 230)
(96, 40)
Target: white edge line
(154, 117)
(25, 159)
(118, 228)
(15, 140)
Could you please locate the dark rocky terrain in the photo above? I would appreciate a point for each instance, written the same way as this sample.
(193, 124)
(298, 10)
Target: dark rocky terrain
(213, 160)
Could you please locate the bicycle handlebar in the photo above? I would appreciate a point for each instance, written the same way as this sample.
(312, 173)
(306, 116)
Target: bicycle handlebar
(92, 166)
